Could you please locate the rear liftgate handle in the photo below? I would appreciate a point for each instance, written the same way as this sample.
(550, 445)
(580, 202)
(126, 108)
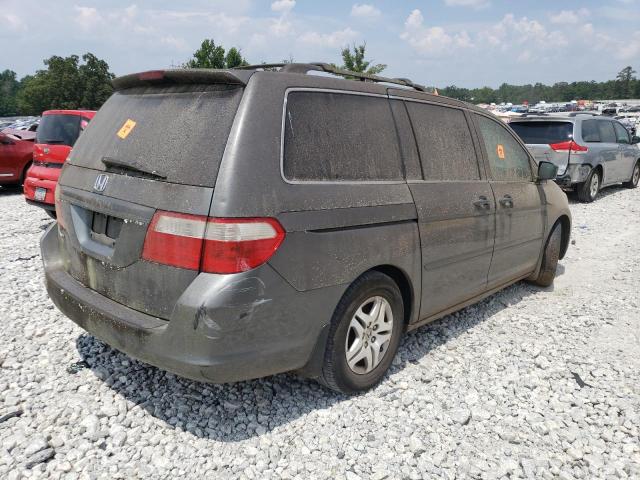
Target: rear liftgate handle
(506, 201)
(483, 202)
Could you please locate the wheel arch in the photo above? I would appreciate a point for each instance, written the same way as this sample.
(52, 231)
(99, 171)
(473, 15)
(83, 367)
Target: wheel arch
(565, 224)
(404, 284)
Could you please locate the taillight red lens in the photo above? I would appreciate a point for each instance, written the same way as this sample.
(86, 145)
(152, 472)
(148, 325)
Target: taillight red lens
(238, 244)
(175, 239)
(569, 145)
(214, 245)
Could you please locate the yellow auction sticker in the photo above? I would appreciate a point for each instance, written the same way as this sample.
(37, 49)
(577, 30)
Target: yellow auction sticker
(126, 128)
(500, 151)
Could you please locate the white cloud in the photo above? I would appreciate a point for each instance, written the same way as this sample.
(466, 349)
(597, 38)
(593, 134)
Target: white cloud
(87, 17)
(334, 39)
(365, 11)
(467, 3)
(432, 41)
(569, 17)
(13, 21)
(283, 5)
(175, 43)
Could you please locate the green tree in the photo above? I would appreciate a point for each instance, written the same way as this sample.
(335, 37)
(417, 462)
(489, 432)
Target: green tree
(9, 86)
(625, 78)
(66, 84)
(210, 55)
(355, 61)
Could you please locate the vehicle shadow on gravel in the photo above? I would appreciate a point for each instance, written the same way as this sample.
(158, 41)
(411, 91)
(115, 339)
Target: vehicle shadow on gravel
(235, 412)
(7, 190)
(604, 193)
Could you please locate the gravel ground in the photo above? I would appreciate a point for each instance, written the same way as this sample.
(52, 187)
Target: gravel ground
(529, 384)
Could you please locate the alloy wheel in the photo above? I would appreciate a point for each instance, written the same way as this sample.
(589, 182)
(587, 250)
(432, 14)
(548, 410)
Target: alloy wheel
(594, 186)
(369, 335)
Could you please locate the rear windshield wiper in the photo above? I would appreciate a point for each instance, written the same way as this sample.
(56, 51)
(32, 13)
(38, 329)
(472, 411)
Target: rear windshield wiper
(131, 167)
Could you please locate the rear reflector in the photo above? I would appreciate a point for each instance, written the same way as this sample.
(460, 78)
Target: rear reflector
(567, 146)
(214, 245)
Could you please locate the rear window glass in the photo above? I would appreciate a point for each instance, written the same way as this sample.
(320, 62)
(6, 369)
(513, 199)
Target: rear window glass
(179, 132)
(543, 132)
(58, 130)
(444, 141)
(339, 137)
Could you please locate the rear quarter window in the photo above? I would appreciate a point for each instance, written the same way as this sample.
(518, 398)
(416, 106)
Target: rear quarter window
(180, 130)
(339, 137)
(590, 131)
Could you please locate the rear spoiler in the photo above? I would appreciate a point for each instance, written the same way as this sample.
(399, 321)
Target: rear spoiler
(182, 76)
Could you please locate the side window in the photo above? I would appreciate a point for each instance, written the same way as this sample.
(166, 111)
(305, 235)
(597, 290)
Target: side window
(444, 141)
(622, 135)
(339, 137)
(508, 160)
(607, 133)
(590, 131)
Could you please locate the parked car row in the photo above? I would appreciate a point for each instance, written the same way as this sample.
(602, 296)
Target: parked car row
(33, 150)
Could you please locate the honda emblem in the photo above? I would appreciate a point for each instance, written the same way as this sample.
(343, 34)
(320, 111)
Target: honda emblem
(101, 182)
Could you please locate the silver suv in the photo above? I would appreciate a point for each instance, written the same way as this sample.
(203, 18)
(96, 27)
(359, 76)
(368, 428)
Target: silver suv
(590, 152)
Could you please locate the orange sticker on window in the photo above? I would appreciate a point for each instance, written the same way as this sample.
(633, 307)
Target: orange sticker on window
(126, 128)
(500, 151)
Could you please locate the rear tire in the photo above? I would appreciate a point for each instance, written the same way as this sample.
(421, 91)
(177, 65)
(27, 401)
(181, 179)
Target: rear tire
(635, 177)
(351, 327)
(550, 258)
(588, 191)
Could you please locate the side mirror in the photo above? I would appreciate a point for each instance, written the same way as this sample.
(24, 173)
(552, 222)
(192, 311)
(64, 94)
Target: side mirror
(547, 171)
(635, 140)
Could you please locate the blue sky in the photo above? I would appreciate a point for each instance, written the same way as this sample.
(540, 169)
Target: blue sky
(436, 42)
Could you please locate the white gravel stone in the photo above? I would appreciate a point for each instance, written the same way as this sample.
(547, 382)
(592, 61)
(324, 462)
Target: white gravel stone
(508, 367)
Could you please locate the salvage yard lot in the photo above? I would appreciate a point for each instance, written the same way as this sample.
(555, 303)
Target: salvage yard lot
(530, 383)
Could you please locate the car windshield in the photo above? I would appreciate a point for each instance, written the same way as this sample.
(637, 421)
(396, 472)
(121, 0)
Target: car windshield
(58, 130)
(543, 132)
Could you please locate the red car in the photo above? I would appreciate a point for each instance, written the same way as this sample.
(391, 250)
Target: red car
(57, 133)
(16, 153)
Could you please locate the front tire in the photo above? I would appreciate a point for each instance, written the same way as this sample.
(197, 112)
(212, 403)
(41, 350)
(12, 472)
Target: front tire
(588, 191)
(550, 258)
(365, 331)
(635, 177)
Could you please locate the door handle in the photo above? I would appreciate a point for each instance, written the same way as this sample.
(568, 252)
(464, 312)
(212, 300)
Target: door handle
(483, 202)
(507, 201)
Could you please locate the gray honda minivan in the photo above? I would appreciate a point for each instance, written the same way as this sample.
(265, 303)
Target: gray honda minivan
(232, 224)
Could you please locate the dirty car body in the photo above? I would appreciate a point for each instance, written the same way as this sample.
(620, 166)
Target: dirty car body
(204, 228)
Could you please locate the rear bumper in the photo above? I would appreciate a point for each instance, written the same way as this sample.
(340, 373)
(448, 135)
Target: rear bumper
(41, 177)
(576, 173)
(224, 328)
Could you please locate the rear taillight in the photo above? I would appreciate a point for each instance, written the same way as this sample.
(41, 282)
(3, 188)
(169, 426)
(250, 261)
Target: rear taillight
(214, 245)
(567, 146)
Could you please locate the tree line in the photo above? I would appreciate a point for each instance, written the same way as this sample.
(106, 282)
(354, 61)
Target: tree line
(85, 82)
(625, 86)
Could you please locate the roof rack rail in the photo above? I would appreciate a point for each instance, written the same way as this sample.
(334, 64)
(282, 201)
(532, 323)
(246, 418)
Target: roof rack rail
(328, 68)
